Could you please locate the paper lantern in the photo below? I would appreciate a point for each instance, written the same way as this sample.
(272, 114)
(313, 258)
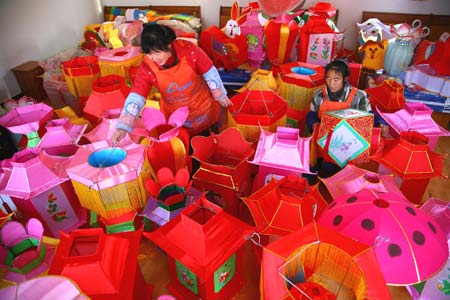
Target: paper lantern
(346, 135)
(80, 73)
(23, 250)
(224, 169)
(110, 180)
(119, 61)
(107, 126)
(413, 162)
(254, 109)
(85, 256)
(282, 33)
(210, 268)
(108, 92)
(252, 28)
(318, 255)
(28, 120)
(39, 193)
(282, 206)
(415, 116)
(388, 97)
(298, 83)
(280, 154)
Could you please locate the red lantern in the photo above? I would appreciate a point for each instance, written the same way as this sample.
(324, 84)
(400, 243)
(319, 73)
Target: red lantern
(411, 159)
(388, 97)
(224, 169)
(108, 92)
(104, 266)
(79, 73)
(204, 247)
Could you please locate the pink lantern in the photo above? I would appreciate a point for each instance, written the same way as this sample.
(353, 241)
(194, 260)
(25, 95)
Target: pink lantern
(105, 129)
(23, 250)
(39, 193)
(27, 120)
(416, 116)
(402, 235)
(280, 154)
(253, 29)
(110, 180)
(45, 287)
(352, 179)
(61, 132)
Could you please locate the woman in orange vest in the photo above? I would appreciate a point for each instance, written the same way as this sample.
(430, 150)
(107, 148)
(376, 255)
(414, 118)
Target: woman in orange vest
(337, 94)
(184, 75)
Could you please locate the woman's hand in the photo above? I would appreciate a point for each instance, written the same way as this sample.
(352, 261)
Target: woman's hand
(117, 136)
(225, 102)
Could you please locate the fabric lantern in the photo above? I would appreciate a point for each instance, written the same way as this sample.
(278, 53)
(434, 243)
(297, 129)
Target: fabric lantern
(282, 206)
(324, 9)
(224, 168)
(260, 80)
(402, 235)
(28, 120)
(110, 180)
(68, 112)
(415, 116)
(254, 109)
(388, 97)
(37, 192)
(84, 256)
(413, 162)
(424, 77)
(108, 92)
(119, 61)
(298, 83)
(58, 93)
(281, 34)
(280, 154)
(210, 268)
(23, 251)
(80, 73)
(398, 56)
(318, 42)
(346, 135)
(316, 255)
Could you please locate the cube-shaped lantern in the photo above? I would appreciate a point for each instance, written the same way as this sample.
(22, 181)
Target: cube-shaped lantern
(210, 267)
(253, 109)
(104, 266)
(120, 61)
(110, 180)
(37, 192)
(224, 169)
(346, 135)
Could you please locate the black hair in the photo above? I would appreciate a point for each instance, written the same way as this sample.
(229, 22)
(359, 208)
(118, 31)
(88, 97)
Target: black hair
(155, 37)
(338, 66)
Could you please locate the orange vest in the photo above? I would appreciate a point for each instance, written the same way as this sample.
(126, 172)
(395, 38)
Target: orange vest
(328, 105)
(181, 86)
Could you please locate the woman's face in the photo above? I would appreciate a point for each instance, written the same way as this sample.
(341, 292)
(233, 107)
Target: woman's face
(334, 80)
(160, 57)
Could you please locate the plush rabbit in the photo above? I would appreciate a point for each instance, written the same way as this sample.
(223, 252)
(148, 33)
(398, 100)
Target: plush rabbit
(232, 28)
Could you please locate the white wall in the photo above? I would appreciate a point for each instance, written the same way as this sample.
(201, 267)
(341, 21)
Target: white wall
(35, 30)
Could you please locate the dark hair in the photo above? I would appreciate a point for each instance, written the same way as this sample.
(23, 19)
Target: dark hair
(338, 66)
(155, 37)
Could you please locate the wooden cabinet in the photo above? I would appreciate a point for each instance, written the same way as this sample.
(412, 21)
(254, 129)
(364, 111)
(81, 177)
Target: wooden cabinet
(28, 75)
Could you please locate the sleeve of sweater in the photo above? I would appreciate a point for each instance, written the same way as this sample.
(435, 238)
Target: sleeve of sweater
(130, 112)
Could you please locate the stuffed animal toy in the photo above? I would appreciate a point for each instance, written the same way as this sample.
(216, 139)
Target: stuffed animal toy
(373, 53)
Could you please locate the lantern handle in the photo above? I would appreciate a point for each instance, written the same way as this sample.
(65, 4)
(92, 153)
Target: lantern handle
(255, 238)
